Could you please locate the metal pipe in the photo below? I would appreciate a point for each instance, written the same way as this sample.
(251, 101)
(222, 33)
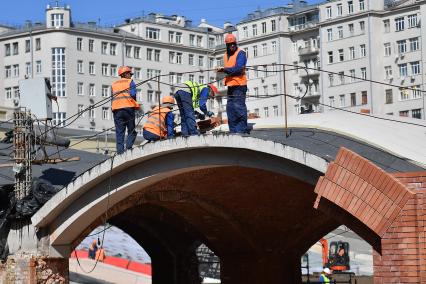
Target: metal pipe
(285, 102)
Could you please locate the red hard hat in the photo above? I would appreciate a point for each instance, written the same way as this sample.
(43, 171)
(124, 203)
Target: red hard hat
(214, 89)
(124, 69)
(229, 38)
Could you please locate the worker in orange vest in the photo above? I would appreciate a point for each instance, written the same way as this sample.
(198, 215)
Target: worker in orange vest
(235, 61)
(124, 106)
(160, 123)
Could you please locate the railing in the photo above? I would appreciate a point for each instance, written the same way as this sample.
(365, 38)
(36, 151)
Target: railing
(302, 26)
(308, 50)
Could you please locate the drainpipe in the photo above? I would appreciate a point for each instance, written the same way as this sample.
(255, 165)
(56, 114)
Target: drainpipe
(123, 49)
(280, 62)
(32, 51)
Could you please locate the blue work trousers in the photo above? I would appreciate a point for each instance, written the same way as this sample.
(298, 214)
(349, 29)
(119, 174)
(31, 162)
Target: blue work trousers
(186, 110)
(236, 109)
(150, 136)
(124, 118)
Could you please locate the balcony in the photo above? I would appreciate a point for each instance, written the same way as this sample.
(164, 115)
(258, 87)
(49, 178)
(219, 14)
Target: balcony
(310, 50)
(304, 26)
(308, 73)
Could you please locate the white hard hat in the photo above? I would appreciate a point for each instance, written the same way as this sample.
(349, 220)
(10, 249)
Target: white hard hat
(327, 270)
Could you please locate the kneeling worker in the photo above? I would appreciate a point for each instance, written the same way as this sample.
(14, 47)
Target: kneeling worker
(188, 102)
(160, 122)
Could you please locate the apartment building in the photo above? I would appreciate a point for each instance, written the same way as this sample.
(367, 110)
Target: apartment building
(381, 41)
(82, 60)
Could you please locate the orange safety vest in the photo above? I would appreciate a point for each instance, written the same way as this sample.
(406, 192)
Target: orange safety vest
(124, 99)
(156, 123)
(230, 62)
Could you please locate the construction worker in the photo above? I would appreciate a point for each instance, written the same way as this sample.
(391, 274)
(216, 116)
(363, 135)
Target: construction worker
(124, 106)
(235, 61)
(190, 101)
(160, 122)
(93, 248)
(325, 274)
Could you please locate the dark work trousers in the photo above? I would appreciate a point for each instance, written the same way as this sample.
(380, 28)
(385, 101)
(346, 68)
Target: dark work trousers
(186, 110)
(124, 118)
(150, 136)
(236, 109)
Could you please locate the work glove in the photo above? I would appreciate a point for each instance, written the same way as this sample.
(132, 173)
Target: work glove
(200, 116)
(210, 113)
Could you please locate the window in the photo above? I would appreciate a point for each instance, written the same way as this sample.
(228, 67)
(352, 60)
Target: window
(353, 99)
(179, 78)
(402, 46)
(201, 79)
(403, 70)
(341, 55)
(113, 49)
(114, 71)
(342, 101)
(15, 48)
(8, 92)
(255, 51)
(27, 46)
(245, 32)
(137, 52)
(331, 79)
(256, 92)
(8, 71)
(364, 73)
(264, 28)
(364, 99)
(274, 89)
(28, 69)
(16, 92)
(92, 91)
(329, 13)
(137, 73)
(351, 29)
(38, 67)
(362, 26)
(199, 41)
(79, 43)
(340, 32)
(16, 70)
(192, 40)
(151, 73)
(80, 66)
(104, 47)
(363, 50)
(274, 47)
(350, 7)
(91, 45)
(388, 49)
(273, 25)
(149, 53)
(352, 74)
(416, 113)
(415, 68)
(414, 44)
(389, 96)
(105, 113)
(105, 69)
(91, 113)
(191, 59)
(264, 49)
(361, 5)
(330, 57)
(211, 64)
(265, 90)
(342, 77)
(417, 92)
(152, 33)
(254, 29)
(266, 111)
(7, 49)
(201, 61)
(59, 118)
(256, 112)
(128, 51)
(38, 44)
(92, 68)
(275, 108)
(331, 101)
(80, 110)
(386, 25)
(329, 34)
(399, 24)
(105, 91)
(388, 72)
(412, 21)
(339, 9)
(352, 52)
(80, 87)
(57, 20)
(404, 95)
(403, 113)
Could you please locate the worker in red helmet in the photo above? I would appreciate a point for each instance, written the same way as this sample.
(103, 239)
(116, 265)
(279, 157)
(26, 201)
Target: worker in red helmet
(123, 107)
(192, 100)
(160, 123)
(235, 61)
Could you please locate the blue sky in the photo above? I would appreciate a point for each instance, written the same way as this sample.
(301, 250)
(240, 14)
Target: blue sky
(110, 12)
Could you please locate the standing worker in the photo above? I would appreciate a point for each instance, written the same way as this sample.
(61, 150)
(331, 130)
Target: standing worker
(160, 122)
(325, 274)
(235, 61)
(124, 106)
(188, 102)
